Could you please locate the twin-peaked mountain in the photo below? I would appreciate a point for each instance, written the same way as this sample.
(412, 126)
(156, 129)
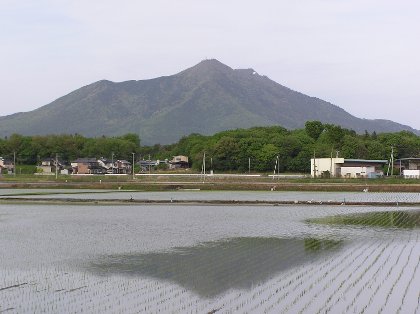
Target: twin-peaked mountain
(205, 99)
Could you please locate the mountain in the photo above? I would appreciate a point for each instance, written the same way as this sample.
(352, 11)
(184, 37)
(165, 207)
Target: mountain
(205, 99)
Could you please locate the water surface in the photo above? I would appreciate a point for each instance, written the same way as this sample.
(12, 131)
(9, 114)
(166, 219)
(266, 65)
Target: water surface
(212, 268)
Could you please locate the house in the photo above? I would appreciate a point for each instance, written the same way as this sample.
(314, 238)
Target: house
(409, 167)
(108, 164)
(179, 162)
(6, 165)
(115, 167)
(347, 168)
(87, 166)
(122, 167)
(146, 165)
(48, 166)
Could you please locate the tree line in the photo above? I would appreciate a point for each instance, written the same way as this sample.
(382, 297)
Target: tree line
(228, 150)
(30, 150)
(232, 150)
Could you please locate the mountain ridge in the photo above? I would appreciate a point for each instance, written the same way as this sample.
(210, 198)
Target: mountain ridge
(206, 98)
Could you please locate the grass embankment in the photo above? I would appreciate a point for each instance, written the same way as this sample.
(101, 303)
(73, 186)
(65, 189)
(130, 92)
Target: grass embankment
(129, 201)
(164, 182)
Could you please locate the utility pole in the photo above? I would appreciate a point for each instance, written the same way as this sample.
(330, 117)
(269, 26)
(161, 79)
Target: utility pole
(112, 162)
(314, 166)
(400, 167)
(204, 166)
(133, 165)
(56, 166)
(392, 160)
(331, 162)
(277, 167)
(249, 165)
(14, 164)
(150, 161)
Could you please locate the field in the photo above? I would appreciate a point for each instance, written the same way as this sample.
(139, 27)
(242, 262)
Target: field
(217, 182)
(179, 258)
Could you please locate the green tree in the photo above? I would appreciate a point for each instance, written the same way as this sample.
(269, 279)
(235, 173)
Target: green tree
(314, 129)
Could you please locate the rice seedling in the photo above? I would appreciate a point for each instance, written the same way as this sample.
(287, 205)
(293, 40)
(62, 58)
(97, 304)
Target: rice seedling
(204, 259)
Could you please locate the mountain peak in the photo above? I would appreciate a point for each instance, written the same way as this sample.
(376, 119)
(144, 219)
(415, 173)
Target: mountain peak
(212, 63)
(208, 66)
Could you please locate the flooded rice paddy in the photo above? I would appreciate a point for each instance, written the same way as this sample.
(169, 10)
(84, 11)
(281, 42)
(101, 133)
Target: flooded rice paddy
(197, 195)
(200, 259)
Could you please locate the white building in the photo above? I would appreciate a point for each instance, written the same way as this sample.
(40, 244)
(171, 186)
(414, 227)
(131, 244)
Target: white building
(411, 174)
(409, 167)
(346, 168)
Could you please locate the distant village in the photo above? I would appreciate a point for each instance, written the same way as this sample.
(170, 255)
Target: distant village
(336, 167)
(91, 166)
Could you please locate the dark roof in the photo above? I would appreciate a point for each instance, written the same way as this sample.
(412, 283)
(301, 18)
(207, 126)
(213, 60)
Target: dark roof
(60, 161)
(7, 161)
(85, 160)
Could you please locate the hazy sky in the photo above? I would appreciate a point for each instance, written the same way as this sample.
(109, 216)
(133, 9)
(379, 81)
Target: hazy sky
(362, 55)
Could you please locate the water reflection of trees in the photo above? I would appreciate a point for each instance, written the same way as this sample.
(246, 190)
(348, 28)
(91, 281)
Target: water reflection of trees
(390, 219)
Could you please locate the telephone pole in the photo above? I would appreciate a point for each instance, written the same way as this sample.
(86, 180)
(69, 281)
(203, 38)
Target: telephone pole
(56, 166)
(14, 164)
(133, 165)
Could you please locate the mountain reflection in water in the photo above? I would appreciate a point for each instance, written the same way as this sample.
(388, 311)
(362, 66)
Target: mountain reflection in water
(212, 268)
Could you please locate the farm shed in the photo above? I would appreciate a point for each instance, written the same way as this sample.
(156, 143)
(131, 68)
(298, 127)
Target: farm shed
(409, 167)
(346, 168)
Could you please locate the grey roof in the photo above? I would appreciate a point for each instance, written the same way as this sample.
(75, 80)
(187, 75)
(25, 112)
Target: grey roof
(374, 161)
(409, 158)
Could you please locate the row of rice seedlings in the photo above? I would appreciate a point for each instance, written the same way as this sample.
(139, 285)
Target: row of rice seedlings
(280, 285)
(108, 295)
(250, 301)
(378, 295)
(329, 276)
(273, 307)
(397, 280)
(292, 285)
(381, 265)
(342, 282)
(404, 284)
(362, 281)
(414, 277)
(265, 294)
(239, 302)
(388, 197)
(333, 285)
(310, 272)
(373, 277)
(381, 269)
(385, 197)
(77, 292)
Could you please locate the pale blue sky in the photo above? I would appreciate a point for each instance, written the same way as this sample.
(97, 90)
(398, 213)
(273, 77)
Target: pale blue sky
(362, 55)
